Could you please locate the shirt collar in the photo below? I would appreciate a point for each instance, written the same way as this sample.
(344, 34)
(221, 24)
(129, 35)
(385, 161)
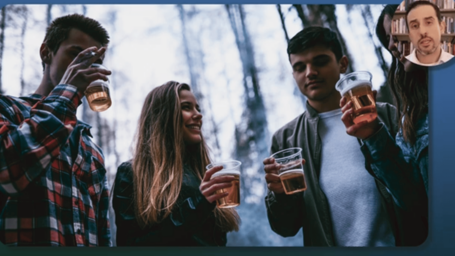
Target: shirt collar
(443, 57)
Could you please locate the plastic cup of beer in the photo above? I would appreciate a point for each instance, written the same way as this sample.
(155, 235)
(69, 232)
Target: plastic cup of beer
(230, 168)
(356, 87)
(97, 93)
(291, 171)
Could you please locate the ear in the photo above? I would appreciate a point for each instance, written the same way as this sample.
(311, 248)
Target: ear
(344, 62)
(45, 54)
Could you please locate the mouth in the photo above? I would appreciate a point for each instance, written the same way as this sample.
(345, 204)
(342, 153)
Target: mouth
(194, 127)
(425, 41)
(313, 83)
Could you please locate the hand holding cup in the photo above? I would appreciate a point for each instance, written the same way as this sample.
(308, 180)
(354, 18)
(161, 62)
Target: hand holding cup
(80, 74)
(221, 183)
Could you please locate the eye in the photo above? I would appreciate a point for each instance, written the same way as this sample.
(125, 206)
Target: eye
(299, 68)
(320, 62)
(414, 26)
(429, 22)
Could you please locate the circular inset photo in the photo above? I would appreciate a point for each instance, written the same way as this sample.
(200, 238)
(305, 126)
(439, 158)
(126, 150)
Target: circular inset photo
(423, 31)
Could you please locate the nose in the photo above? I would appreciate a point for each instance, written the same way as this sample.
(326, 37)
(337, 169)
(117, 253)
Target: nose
(423, 31)
(197, 115)
(311, 71)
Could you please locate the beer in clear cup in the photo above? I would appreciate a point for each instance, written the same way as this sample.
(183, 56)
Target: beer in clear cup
(356, 87)
(291, 170)
(230, 168)
(97, 93)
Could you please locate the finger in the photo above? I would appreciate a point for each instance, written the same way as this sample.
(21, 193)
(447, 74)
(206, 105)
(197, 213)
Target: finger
(269, 160)
(343, 101)
(303, 161)
(272, 168)
(208, 174)
(346, 118)
(85, 57)
(95, 76)
(99, 70)
(272, 178)
(346, 107)
(352, 130)
(214, 197)
(216, 180)
(211, 190)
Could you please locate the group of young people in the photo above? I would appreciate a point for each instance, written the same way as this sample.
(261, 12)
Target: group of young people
(367, 182)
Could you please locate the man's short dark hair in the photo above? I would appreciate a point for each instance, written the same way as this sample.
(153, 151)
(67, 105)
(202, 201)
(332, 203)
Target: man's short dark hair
(58, 30)
(413, 5)
(314, 36)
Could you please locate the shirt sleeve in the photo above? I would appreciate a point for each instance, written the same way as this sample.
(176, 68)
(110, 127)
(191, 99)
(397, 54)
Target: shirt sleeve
(404, 178)
(104, 232)
(29, 145)
(284, 212)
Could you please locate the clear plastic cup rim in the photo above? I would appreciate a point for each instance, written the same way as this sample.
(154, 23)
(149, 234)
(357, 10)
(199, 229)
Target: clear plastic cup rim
(298, 151)
(236, 164)
(337, 85)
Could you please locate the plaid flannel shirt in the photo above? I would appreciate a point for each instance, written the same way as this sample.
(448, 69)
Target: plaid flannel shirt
(52, 176)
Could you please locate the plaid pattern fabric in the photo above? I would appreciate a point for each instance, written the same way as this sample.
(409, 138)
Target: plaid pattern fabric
(51, 174)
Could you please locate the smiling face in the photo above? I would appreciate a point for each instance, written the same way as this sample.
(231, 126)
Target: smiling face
(316, 71)
(57, 63)
(424, 30)
(191, 117)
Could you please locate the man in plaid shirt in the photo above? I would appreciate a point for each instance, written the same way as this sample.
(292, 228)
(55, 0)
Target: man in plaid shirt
(53, 184)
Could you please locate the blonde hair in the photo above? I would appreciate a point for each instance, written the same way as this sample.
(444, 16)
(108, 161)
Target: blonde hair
(159, 155)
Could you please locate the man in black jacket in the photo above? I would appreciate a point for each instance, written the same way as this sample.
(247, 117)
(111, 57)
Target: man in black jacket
(343, 205)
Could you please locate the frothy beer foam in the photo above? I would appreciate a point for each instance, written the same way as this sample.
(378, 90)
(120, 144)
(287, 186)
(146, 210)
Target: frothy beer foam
(225, 172)
(355, 84)
(291, 171)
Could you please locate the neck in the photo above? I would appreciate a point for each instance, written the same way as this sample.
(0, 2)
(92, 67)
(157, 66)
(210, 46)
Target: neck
(329, 103)
(430, 58)
(46, 85)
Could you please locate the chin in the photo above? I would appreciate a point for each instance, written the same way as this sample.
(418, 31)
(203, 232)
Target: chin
(192, 141)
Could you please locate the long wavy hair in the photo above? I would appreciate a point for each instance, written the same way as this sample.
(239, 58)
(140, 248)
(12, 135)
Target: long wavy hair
(410, 89)
(159, 157)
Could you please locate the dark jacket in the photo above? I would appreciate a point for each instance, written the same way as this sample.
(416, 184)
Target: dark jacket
(310, 209)
(191, 223)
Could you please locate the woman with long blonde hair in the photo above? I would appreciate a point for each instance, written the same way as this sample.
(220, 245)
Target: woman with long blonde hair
(164, 196)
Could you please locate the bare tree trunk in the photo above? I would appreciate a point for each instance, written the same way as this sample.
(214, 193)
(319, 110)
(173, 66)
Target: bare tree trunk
(196, 68)
(384, 93)
(49, 14)
(301, 15)
(252, 134)
(283, 25)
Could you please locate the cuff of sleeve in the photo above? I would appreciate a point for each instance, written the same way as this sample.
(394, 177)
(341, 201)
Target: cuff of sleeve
(378, 144)
(282, 199)
(66, 93)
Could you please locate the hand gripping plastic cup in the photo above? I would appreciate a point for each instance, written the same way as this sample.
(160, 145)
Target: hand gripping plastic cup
(230, 168)
(356, 87)
(291, 171)
(97, 93)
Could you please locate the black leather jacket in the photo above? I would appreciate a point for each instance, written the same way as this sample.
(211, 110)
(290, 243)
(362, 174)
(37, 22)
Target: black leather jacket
(191, 223)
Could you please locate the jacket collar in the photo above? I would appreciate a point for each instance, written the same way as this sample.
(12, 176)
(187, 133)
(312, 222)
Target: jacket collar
(311, 112)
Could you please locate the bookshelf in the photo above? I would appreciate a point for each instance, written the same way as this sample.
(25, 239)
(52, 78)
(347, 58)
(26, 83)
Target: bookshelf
(400, 31)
